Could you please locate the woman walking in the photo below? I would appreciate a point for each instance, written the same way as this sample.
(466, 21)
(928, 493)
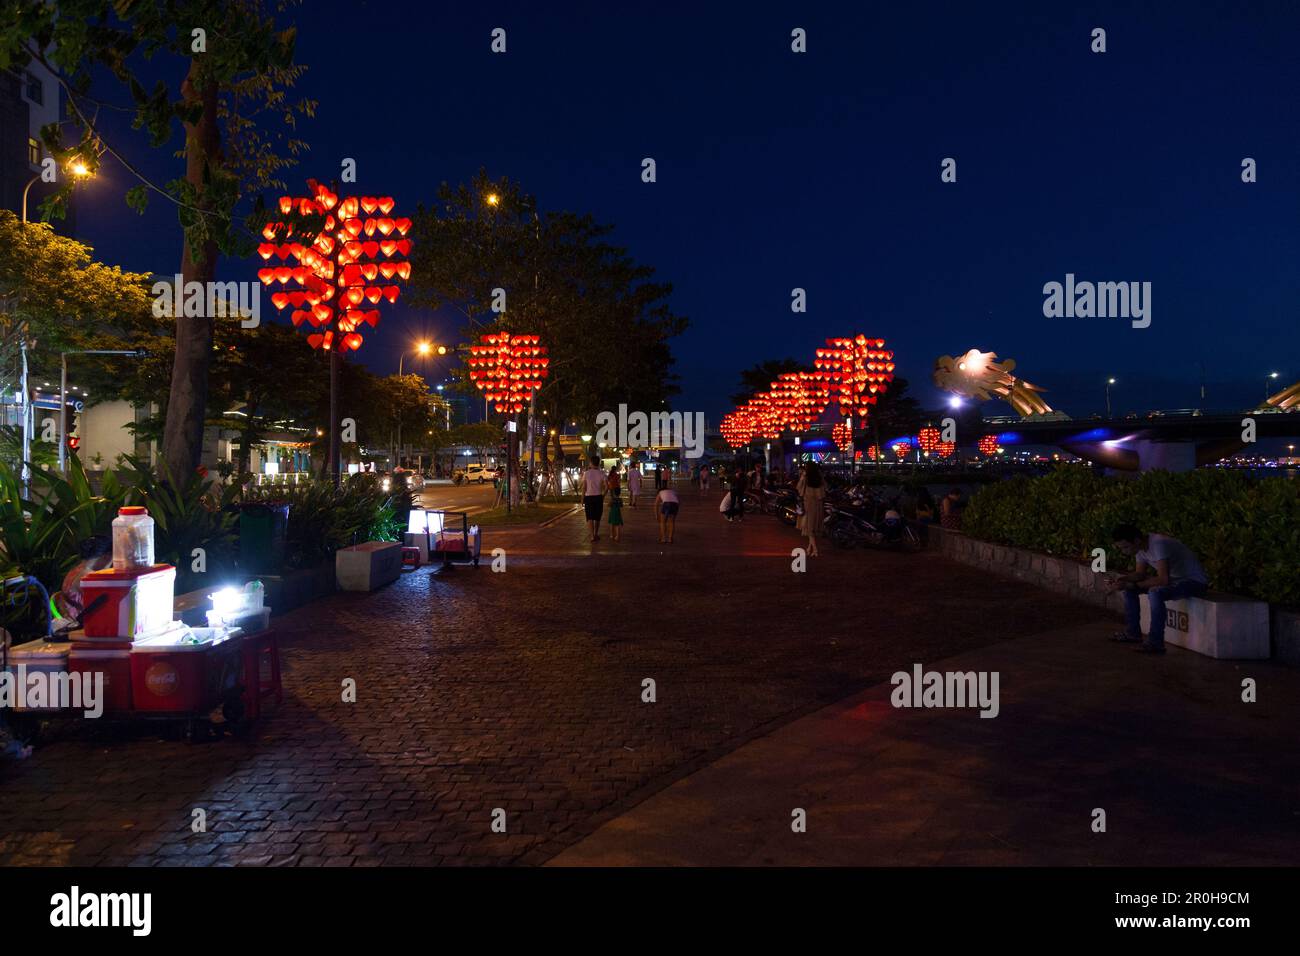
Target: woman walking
(812, 491)
(614, 486)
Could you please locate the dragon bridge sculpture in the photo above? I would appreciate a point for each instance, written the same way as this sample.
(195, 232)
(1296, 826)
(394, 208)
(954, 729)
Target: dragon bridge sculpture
(979, 375)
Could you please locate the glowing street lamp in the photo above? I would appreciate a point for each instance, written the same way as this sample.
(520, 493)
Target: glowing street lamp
(1109, 383)
(1271, 377)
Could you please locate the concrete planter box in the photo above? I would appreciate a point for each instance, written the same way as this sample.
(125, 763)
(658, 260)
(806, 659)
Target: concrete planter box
(368, 566)
(1221, 626)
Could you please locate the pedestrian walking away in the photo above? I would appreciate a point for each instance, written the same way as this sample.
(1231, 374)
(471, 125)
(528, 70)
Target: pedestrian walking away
(615, 507)
(633, 484)
(593, 496)
(738, 483)
(812, 492)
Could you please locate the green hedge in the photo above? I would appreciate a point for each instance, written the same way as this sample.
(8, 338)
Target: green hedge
(1245, 530)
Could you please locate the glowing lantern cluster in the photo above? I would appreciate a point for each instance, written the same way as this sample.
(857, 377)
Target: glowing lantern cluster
(508, 369)
(805, 399)
(857, 371)
(763, 414)
(345, 271)
(928, 439)
(988, 445)
(901, 449)
(737, 428)
(945, 448)
(843, 436)
(852, 372)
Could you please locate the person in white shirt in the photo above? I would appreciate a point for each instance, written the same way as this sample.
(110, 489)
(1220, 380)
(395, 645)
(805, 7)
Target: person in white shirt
(666, 505)
(1165, 569)
(593, 496)
(633, 484)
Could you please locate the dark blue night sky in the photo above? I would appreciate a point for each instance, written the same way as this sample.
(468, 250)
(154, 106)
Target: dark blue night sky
(822, 170)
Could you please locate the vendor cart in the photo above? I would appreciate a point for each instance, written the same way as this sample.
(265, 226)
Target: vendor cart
(453, 538)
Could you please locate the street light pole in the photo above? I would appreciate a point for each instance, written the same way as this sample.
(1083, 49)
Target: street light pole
(1268, 378)
(78, 170)
(421, 348)
(1109, 383)
(24, 469)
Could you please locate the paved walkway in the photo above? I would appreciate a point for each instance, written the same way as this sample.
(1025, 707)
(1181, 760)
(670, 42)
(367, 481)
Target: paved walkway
(1186, 773)
(523, 691)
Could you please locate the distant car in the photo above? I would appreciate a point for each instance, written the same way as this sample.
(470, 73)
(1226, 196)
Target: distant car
(476, 472)
(414, 480)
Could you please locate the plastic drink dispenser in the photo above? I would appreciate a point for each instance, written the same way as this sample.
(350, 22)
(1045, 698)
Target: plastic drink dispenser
(132, 539)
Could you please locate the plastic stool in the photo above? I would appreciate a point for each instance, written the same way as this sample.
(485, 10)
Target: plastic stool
(411, 556)
(257, 648)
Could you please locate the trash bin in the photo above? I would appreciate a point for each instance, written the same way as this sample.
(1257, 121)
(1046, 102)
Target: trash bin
(262, 529)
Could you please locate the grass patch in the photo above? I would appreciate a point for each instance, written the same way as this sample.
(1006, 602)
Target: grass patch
(524, 514)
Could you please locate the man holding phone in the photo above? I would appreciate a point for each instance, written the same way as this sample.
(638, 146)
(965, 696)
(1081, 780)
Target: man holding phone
(1165, 570)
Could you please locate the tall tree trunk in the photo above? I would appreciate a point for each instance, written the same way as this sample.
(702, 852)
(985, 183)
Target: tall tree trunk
(187, 404)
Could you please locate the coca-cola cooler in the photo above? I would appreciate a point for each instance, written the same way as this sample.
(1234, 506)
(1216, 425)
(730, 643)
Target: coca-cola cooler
(186, 672)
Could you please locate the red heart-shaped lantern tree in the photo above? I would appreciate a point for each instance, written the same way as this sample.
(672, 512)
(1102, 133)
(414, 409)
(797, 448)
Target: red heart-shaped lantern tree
(509, 369)
(336, 273)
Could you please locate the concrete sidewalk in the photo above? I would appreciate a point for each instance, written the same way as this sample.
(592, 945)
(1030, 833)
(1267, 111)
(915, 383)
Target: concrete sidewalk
(1186, 772)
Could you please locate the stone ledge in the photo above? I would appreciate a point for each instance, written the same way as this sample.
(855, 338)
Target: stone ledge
(1077, 581)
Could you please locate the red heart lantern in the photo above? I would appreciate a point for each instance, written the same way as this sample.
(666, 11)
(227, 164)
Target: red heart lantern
(330, 262)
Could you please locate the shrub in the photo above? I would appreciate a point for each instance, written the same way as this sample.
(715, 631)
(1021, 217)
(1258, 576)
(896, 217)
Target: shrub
(323, 519)
(1246, 531)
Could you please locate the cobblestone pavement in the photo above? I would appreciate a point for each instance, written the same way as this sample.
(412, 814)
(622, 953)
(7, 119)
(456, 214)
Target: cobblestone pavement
(520, 691)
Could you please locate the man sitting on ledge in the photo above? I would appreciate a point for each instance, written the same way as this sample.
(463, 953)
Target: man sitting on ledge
(1166, 569)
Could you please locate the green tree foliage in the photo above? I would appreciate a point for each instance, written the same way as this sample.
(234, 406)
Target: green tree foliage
(51, 287)
(234, 66)
(607, 325)
(759, 378)
(1245, 531)
(485, 438)
(896, 412)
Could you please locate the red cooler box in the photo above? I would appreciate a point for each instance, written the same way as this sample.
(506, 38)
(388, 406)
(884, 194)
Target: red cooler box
(186, 675)
(136, 602)
(110, 657)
